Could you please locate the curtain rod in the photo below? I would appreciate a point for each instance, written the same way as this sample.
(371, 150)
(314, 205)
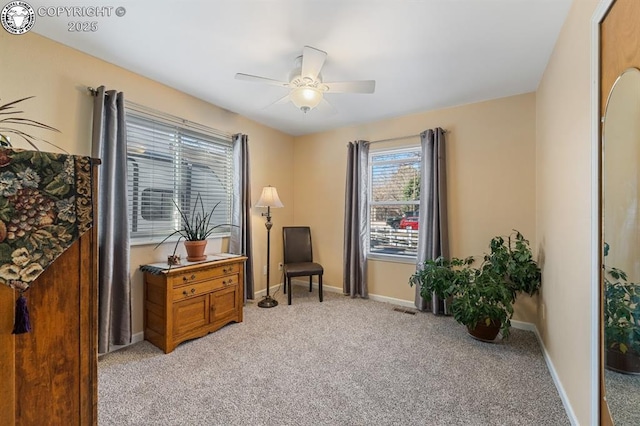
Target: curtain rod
(168, 117)
(400, 138)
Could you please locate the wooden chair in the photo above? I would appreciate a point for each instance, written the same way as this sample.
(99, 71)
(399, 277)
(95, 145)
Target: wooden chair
(298, 258)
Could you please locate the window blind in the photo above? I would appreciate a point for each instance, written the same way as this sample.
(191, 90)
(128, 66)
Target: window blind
(170, 165)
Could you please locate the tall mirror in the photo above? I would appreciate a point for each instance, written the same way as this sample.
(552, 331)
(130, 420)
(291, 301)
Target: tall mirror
(621, 251)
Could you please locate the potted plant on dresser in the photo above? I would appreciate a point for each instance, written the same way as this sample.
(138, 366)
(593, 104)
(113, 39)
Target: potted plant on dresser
(621, 321)
(482, 299)
(195, 228)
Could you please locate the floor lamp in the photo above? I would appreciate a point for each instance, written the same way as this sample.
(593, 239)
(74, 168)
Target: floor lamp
(269, 198)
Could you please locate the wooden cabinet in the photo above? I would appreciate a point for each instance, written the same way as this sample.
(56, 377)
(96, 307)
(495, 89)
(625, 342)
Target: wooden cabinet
(186, 302)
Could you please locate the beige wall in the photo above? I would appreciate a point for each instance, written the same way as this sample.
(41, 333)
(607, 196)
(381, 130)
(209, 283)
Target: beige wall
(58, 76)
(563, 210)
(491, 184)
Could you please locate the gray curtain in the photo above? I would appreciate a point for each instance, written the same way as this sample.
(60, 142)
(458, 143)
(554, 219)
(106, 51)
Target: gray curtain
(355, 220)
(240, 242)
(109, 144)
(433, 239)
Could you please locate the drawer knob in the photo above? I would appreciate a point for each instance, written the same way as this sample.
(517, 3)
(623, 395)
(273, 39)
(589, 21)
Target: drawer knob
(224, 270)
(193, 277)
(193, 290)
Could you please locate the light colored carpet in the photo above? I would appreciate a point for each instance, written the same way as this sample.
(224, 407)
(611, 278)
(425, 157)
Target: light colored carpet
(623, 397)
(341, 362)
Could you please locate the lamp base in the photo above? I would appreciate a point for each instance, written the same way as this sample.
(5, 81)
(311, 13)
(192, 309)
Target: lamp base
(268, 302)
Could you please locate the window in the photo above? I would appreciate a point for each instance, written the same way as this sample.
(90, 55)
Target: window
(170, 162)
(394, 202)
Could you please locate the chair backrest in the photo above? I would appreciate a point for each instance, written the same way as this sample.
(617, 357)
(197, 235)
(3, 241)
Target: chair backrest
(297, 244)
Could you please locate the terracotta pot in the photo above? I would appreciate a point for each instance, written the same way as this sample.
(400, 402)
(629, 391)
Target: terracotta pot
(484, 332)
(195, 250)
(628, 363)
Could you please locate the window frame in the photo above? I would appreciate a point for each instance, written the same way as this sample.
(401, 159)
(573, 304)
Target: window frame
(390, 257)
(184, 134)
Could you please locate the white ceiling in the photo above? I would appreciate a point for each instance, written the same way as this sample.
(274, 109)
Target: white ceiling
(423, 54)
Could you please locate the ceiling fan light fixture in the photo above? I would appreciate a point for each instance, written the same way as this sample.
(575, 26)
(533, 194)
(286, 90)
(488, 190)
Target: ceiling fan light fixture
(306, 98)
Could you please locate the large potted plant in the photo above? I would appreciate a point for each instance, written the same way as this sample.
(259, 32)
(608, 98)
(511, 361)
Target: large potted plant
(484, 305)
(482, 298)
(621, 321)
(195, 228)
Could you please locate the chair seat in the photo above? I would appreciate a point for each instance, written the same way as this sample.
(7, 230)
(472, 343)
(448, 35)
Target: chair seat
(302, 269)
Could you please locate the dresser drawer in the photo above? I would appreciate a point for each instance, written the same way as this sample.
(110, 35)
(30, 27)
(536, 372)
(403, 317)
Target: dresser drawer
(191, 290)
(203, 274)
(229, 280)
(196, 289)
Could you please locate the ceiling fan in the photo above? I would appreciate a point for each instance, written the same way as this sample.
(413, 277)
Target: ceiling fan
(305, 81)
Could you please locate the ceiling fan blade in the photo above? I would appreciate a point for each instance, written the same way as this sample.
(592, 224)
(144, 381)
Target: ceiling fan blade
(256, 79)
(312, 62)
(326, 107)
(363, 86)
(282, 100)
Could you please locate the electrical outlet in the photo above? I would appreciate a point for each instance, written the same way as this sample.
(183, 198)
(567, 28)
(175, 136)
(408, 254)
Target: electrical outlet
(280, 266)
(264, 270)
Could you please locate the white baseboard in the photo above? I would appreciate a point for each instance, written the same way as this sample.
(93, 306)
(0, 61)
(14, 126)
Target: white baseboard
(392, 300)
(331, 289)
(303, 283)
(521, 325)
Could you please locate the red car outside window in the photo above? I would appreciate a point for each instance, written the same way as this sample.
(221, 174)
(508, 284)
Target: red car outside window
(410, 222)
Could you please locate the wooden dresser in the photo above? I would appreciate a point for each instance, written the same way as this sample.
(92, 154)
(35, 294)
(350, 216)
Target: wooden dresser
(186, 302)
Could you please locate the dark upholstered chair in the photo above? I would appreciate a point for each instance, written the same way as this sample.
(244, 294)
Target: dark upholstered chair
(298, 258)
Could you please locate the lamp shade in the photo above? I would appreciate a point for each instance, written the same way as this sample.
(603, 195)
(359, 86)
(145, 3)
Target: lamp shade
(306, 98)
(269, 198)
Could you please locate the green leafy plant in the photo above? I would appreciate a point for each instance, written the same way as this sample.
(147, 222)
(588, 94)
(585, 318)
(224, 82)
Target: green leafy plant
(484, 295)
(484, 300)
(512, 259)
(12, 122)
(621, 311)
(442, 276)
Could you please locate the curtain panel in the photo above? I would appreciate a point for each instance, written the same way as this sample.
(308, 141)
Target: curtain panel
(433, 238)
(240, 242)
(355, 220)
(109, 143)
